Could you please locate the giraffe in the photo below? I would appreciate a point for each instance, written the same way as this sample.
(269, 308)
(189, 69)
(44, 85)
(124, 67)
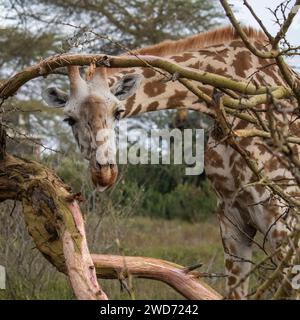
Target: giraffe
(245, 208)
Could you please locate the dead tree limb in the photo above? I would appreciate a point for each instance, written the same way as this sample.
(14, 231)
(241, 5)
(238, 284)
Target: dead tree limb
(80, 267)
(53, 220)
(178, 277)
(55, 223)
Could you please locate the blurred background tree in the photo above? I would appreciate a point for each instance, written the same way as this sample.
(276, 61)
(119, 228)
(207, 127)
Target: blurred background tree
(134, 23)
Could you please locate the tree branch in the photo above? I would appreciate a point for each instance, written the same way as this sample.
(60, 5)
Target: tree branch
(275, 53)
(184, 282)
(242, 34)
(47, 66)
(286, 24)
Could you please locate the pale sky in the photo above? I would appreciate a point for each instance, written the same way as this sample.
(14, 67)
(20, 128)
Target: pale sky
(260, 7)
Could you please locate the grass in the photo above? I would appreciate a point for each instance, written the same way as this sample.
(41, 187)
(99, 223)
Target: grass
(173, 240)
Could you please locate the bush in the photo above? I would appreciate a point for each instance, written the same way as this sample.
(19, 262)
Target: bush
(185, 201)
(168, 193)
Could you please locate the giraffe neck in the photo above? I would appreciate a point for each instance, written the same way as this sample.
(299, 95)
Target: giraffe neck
(231, 60)
(156, 94)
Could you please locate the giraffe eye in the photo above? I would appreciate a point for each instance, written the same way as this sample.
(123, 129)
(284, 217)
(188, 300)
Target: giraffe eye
(118, 113)
(70, 121)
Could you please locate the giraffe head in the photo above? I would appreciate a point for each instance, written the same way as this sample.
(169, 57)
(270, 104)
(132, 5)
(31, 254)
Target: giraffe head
(92, 109)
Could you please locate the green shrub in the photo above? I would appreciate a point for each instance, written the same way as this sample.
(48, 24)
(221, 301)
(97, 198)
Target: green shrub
(150, 190)
(186, 202)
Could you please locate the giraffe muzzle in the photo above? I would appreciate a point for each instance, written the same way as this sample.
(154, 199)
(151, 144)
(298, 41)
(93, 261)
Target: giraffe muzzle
(103, 176)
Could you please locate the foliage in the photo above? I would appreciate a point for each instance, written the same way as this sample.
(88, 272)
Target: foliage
(169, 194)
(133, 22)
(20, 48)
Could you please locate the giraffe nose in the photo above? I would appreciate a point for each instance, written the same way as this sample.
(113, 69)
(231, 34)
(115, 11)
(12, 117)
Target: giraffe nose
(103, 176)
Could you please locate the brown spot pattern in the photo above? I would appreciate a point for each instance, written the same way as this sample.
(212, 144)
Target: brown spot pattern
(137, 110)
(215, 159)
(242, 63)
(177, 99)
(153, 106)
(154, 88)
(231, 280)
(129, 104)
(220, 71)
(148, 73)
(184, 57)
(237, 44)
(228, 264)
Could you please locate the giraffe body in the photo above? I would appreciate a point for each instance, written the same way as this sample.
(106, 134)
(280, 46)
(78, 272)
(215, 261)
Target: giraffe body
(245, 206)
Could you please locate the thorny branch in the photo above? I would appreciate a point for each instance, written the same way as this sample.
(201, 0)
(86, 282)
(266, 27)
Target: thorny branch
(272, 126)
(274, 52)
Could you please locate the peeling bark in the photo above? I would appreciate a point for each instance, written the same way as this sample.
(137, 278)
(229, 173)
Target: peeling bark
(53, 220)
(179, 278)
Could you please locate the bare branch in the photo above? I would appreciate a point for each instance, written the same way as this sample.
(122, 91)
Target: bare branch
(187, 284)
(45, 67)
(287, 23)
(247, 42)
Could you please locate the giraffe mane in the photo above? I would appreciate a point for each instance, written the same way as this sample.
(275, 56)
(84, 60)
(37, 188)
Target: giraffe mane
(198, 41)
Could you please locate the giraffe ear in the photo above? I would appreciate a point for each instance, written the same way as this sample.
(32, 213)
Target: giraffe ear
(127, 86)
(55, 97)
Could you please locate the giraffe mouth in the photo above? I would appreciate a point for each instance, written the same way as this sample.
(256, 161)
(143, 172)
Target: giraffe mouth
(103, 176)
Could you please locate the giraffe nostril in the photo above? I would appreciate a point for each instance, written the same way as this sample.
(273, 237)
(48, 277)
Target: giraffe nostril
(108, 164)
(98, 165)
